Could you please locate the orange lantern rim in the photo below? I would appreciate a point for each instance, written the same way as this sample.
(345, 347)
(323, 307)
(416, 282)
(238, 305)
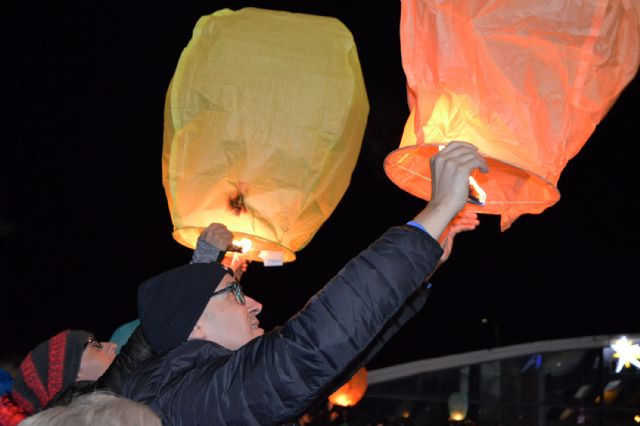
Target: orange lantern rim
(408, 168)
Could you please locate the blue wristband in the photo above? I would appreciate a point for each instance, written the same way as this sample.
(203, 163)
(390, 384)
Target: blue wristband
(416, 225)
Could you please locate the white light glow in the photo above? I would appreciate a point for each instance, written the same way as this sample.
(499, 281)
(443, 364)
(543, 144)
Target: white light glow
(457, 416)
(627, 353)
(244, 244)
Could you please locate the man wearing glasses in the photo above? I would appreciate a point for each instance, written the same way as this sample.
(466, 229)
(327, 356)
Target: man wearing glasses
(215, 365)
(70, 363)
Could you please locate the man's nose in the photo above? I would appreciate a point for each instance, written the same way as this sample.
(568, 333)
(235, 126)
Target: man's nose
(110, 346)
(253, 306)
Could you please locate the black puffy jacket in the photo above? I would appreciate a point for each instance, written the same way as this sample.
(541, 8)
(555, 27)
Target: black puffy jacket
(276, 377)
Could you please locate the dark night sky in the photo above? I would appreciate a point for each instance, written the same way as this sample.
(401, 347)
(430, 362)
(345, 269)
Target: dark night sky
(85, 218)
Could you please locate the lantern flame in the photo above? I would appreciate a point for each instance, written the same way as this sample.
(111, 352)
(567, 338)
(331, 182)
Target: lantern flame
(457, 416)
(476, 193)
(351, 392)
(343, 401)
(244, 245)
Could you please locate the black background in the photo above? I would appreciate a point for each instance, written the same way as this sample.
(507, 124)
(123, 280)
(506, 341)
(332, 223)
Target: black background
(85, 218)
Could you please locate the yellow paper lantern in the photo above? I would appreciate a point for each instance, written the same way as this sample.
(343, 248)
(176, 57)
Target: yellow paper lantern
(351, 392)
(264, 120)
(458, 405)
(525, 81)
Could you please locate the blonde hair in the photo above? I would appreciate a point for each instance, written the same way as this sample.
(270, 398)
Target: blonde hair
(100, 408)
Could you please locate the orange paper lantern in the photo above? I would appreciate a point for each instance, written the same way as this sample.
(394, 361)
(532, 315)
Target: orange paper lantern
(351, 392)
(264, 120)
(525, 81)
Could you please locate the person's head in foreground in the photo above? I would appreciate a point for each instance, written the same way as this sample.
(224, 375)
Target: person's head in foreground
(209, 305)
(69, 356)
(96, 409)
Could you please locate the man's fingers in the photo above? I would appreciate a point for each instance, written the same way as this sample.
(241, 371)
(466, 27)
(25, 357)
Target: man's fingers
(233, 247)
(455, 145)
(475, 162)
(461, 158)
(460, 228)
(465, 222)
(218, 236)
(450, 171)
(467, 214)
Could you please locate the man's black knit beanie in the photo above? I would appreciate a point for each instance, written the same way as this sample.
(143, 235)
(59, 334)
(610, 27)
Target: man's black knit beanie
(170, 304)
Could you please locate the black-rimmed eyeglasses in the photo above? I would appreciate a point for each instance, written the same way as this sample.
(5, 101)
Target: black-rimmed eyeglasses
(237, 291)
(91, 341)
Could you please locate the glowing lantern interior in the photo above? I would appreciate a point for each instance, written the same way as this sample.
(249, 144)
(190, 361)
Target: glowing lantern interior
(458, 404)
(526, 82)
(264, 120)
(351, 392)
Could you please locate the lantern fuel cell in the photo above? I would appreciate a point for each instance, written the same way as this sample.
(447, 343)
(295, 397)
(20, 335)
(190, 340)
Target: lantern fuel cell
(272, 257)
(477, 195)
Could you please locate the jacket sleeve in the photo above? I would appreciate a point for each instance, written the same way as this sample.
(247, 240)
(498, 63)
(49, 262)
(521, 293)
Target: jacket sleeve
(276, 377)
(132, 354)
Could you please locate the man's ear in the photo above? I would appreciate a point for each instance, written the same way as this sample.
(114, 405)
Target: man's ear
(197, 332)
